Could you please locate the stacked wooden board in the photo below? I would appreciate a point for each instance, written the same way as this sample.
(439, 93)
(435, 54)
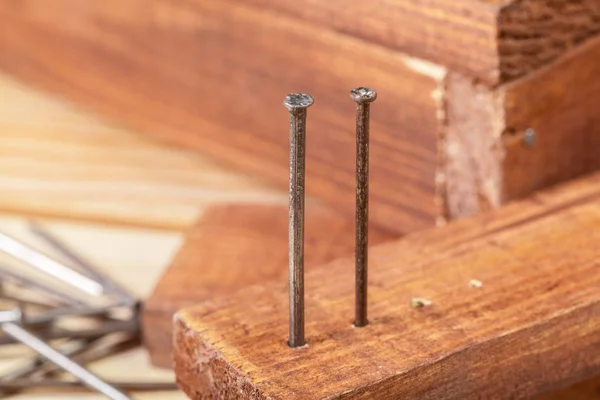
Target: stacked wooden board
(462, 84)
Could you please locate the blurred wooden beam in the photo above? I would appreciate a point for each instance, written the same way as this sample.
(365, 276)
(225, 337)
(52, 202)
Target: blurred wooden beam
(58, 161)
(211, 76)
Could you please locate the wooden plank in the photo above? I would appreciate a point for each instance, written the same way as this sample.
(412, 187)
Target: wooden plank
(59, 161)
(532, 325)
(493, 41)
(560, 104)
(119, 58)
(487, 161)
(152, 63)
(234, 246)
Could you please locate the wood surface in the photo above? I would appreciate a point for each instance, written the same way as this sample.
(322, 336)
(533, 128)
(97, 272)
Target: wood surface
(58, 161)
(152, 63)
(561, 104)
(49, 127)
(486, 160)
(213, 75)
(234, 246)
(493, 41)
(530, 328)
(135, 257)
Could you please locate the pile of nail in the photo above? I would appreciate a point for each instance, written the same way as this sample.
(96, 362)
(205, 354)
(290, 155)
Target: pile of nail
(38, 314)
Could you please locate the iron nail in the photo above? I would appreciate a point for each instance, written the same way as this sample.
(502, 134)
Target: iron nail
(19, 384)
(363, 98)
(49, 266)
(297, 104)
(7, 274)
(107, 283)
(38, 345)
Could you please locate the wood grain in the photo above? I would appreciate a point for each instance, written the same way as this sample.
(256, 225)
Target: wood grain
(58, 161)
(531, 327)
(561, 105)
(493, 41)
(234, 246)
(212, 76)
(487, 162)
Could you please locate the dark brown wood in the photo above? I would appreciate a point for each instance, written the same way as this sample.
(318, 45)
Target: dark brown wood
(530, 326)
(234, 246)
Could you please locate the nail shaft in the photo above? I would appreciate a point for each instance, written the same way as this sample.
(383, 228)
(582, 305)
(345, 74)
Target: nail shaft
(363, 98)
(21, 384)
(92, 271)
(107, 327)
(7, 274)
(42, 348)
(69, 349)
(49, 266)
(297, 105)
(55, 313)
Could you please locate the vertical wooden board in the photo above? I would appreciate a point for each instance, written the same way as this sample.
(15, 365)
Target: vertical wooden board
(212, 76)
(561, 104)
(487, 159)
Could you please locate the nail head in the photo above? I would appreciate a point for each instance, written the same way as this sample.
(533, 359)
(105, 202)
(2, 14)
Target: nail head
(530, 137)
(363, 95)
(298, 101)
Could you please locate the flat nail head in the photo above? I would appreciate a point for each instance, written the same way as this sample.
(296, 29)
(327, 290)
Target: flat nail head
(363, 95)
(298, 101)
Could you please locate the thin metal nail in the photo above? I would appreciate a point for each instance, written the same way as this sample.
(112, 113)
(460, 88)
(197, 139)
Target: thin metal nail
(7, 274)
(20, 384)
(49, 266)
(363, 98)
(53, 314)
(297, 104)
(42, 348)
(107, 327)
(107, 283)
(68, 349)
(98, 349)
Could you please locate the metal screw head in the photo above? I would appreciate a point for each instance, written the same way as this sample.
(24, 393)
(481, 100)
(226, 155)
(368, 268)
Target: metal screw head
(298, 101)
(529, 137)
(363, 95)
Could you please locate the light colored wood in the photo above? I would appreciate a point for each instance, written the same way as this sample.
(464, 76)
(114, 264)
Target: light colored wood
(57, 160)
(234, 246)
(532, 326)
(212, 75)
(134, 257)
